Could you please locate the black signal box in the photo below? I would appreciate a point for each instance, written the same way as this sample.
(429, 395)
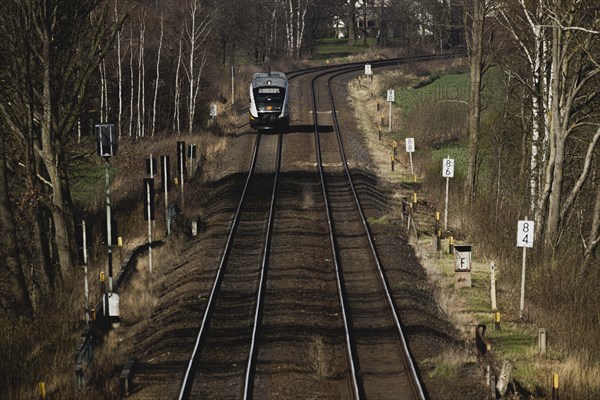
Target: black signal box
(106, 140)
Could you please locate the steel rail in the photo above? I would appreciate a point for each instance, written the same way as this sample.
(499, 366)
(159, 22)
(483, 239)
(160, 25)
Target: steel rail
(415, 380)
(374, 63)
(251, 365)
(188, 377)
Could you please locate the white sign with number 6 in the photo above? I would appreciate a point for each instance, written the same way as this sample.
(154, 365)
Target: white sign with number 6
(448, 168)
(391, 95)
(525, 231)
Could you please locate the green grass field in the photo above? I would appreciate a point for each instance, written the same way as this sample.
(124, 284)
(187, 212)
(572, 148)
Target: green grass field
(337, 48)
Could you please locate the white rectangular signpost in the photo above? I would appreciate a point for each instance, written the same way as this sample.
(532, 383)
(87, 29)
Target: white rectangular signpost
(368, 70)
(447, 172)
(390, 98)
(525, 230)
(410, 148)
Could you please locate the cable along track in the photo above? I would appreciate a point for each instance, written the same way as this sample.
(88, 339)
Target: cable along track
(379, 362)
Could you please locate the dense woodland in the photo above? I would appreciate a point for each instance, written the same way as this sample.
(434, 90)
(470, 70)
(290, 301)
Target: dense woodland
(151, 67)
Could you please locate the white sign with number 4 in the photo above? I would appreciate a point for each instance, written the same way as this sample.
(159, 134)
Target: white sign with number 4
(525, 231)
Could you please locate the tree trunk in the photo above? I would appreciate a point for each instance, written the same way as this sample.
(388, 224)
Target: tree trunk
(594, 236)
(14, 298)
(476, 71)
(157, 82)
(51, 154)
(364, 30)
(351, 22)
(177, 96)
(131, 82)
(119, 72)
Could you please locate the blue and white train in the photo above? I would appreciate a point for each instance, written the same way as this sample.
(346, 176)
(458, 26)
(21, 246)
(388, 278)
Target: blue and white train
(269, 101)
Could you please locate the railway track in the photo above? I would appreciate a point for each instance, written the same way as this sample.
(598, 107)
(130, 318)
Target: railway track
(347, 331)
(378, 356)
(226, 339)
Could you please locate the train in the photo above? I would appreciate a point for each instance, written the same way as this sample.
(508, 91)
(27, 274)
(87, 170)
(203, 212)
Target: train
(269, 101)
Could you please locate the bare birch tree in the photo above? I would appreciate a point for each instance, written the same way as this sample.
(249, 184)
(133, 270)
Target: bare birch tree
(131, 81)
(177, 91)
(475, 18)
(141, 79)
(119, 70)
(525, 23)
(575, 66)
(295, 22)
(196, 34)
(157, 81)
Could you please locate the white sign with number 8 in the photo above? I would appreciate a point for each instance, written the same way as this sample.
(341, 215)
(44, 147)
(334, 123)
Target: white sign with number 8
(525, 230)
(410, 145)
(448, 168)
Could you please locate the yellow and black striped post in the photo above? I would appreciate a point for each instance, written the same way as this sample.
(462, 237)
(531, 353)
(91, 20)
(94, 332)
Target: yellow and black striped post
(392, 159)
(438, 233)
(42, 390)
(497, 321)
(414, 189)
(555, 395)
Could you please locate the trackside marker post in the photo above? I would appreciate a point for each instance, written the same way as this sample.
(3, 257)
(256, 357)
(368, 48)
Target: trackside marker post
(86, 288)
(438, 236)
(415, 189)
(166, 177)
(497, 321)
(149, 214)
(181, 169)
(410, 148)
(232, 85)
(390, 99)
(447, 172)
(542, 340)
(107, 147)
(525, 230)
(493, 285)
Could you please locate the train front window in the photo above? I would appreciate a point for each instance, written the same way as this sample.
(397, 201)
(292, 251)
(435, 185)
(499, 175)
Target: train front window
(269, 95)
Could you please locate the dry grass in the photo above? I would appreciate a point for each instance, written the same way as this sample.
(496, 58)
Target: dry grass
(450, 361)
(307, 198)
(319, 358)
(579, 377)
